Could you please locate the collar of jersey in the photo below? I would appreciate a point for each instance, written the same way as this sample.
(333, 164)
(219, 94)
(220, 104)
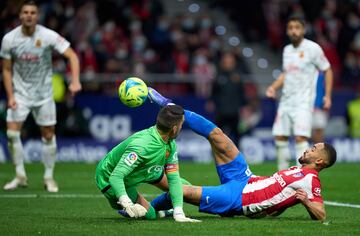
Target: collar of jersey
(157, 134)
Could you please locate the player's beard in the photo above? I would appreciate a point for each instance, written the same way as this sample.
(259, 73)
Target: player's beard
(302, 160)
(296, 39)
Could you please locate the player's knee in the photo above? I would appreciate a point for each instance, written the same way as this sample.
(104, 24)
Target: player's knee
(221, 143)
(281, 138)
(48, 135)
(49, 139)
(299, 139)
(13, 135)
(216, 134)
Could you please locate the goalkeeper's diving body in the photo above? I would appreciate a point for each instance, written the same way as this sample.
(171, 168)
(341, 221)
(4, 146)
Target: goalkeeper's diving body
(145, 157)
(241, 192)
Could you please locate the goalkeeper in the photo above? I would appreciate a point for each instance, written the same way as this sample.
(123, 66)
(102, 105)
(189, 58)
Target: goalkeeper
(145, 157)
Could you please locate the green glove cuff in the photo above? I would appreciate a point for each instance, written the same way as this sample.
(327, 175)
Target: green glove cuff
(151, 214)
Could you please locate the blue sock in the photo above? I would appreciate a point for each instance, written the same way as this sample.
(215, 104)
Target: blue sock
(199, 124)
(162, 202)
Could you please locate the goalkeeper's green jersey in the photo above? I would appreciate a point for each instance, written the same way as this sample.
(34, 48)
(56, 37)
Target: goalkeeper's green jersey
(141, 158)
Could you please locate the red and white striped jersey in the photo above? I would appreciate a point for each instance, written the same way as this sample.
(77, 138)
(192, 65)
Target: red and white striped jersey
(265, 195)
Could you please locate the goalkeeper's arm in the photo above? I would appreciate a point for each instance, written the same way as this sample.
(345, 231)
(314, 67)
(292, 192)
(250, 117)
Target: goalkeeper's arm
(176, 193)
(117, 183)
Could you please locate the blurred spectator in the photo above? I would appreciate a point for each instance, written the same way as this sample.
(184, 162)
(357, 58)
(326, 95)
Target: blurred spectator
(204, 72)
(228, 97)
(351, 72)
(354, 117)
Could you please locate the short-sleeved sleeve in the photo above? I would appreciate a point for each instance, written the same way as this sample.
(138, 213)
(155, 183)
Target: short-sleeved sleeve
(59, 43)
(5, 48)
(319, 59)
(316, 191)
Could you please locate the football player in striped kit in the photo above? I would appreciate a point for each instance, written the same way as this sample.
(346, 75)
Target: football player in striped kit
(27, 73)
(241, 192)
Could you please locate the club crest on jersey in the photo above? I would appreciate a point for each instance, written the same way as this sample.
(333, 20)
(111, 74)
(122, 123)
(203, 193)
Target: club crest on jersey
(167, 154)
(317, 191)
(301, 54)
(130, 158)
(297, 175)
(38, 43)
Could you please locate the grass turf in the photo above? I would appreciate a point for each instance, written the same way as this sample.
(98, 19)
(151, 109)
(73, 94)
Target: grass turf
(79, 208)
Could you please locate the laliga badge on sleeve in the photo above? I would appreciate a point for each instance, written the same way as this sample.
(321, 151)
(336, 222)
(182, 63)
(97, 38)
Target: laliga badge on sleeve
(130, 158)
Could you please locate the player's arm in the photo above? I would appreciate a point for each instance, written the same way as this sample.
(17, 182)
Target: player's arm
(176, 193)
(322, 63)
(7, 76)
(328, 88)
(75, 85)
(116, 180)
(271, 90)
(316, 209)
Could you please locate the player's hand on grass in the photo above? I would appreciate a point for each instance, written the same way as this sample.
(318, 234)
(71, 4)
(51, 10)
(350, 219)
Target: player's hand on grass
(134, 210)
(270, 92)
(179, 216)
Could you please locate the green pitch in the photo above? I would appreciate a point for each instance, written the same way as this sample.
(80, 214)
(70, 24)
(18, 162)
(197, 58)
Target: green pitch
(79, 209)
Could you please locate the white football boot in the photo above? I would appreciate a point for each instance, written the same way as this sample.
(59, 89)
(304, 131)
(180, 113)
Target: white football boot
(18, 181)
(51, 185)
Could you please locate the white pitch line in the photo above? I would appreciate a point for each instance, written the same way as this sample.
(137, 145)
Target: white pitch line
(54, 195)
(18, 195)
(341, 204)
(79, 195)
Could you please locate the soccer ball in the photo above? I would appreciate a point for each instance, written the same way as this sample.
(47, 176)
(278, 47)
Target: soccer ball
(133, 92)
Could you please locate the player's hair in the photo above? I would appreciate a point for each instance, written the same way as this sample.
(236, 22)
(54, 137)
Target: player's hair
(29, 3)
(330, 154)
(168, 117)
(297, 18)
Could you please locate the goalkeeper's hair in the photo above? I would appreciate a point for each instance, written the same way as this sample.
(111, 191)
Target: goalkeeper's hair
(168, 117)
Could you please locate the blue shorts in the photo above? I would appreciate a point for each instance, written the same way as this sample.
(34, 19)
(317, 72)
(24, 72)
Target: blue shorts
(226, 199)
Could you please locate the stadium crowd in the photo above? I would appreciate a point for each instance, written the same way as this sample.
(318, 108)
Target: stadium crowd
(335, 25)
(138, 37)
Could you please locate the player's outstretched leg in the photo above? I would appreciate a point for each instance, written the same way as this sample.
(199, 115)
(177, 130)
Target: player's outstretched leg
(197, 123)
(156, 97)
(223, 148)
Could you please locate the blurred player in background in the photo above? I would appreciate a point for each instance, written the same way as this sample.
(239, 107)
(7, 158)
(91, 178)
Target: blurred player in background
(27, 73)
(241, 192)
(320, 115)
(144, 157)
(302, 61)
